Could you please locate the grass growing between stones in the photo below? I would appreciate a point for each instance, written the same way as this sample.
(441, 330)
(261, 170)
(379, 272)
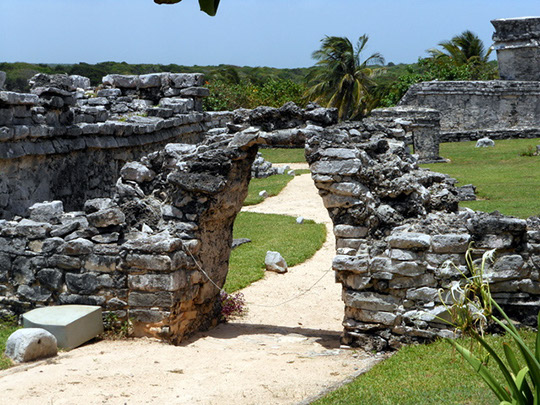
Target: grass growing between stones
(505, 180)
(281, 233)
(6, 329)
(273, 186)
(284, 155)
(423, 374)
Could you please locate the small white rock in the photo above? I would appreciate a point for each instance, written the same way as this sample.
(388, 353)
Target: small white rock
(31, 344)
(275, 262)
(485, 143)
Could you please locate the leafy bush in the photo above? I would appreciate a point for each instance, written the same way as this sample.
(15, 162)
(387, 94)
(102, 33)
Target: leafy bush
(429, 69)
(228, 96)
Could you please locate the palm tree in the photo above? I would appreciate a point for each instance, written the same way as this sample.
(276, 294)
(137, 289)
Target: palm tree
(342, 79)
(463, 49)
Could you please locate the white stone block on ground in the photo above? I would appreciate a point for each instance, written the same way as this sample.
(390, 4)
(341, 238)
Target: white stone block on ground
(275, 262)
(485, 143)
(72, 325)
(30, 344)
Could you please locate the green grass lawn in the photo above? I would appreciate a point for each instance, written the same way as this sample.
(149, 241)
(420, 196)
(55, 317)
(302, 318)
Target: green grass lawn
(281, 233)
(273, 186)
(6, 329)
(505, 180)
(284, 155)
(421, 375)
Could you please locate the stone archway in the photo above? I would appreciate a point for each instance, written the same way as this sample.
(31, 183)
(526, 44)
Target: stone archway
(150, 253)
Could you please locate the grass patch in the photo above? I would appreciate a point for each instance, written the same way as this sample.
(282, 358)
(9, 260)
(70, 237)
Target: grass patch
(506, 180)
(423, 374)
(273, 186)
(284, 155)
(280, 233)
(6, 329)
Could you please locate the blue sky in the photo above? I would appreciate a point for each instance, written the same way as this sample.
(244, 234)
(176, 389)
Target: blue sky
(278, 33)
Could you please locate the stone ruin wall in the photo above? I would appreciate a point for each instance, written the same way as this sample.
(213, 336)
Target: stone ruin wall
(143, 252)
(472, 110)
(398, 227)
(149, 252)
(517, 42)
(66, 141)
(499, 109)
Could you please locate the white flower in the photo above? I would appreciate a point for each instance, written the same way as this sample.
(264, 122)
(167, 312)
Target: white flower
(458, 295)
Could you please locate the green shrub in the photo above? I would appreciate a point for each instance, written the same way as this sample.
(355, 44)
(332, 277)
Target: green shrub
(227, 96)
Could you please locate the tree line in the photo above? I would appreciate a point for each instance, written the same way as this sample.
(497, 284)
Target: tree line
(342, 77)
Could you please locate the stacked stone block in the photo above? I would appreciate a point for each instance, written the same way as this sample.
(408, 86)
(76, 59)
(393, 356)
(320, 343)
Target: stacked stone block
(156, 253)
(149, 254)
(498, 109)
(419, 127)
(518, 48)
(80, 138)
(398, 230)
(472, 110)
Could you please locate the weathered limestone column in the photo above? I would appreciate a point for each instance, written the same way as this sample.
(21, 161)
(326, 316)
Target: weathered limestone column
(417, 126)
(517, 42)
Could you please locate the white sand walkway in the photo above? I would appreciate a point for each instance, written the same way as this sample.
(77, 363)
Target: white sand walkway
(275, 355)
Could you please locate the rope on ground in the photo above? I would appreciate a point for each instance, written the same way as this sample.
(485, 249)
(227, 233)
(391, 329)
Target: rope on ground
(251, 303)
(296, 296)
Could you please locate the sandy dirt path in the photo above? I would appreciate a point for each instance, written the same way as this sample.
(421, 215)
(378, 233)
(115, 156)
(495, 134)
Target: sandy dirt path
(277, 354)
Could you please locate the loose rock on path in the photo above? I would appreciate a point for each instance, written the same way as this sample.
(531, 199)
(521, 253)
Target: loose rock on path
(283, 352)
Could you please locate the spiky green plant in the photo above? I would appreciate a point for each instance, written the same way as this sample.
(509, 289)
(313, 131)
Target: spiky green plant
(522, 382)
(471, 298)
(471, 311)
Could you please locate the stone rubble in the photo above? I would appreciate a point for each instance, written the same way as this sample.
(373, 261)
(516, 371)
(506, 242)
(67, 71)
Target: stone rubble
(397, 228)
(81, 137)
(153, 252)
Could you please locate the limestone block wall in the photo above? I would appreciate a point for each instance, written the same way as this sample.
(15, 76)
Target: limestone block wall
(65, 141)
(417, 126)
(157, 252)
(397, 229)
(518, 47)
(148, 253)
(470, 110)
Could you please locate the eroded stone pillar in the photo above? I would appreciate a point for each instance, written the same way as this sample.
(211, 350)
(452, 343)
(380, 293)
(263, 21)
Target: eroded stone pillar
(517, 42)
(417, 126)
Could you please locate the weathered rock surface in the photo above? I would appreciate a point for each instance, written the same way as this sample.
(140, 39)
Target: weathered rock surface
(275, 262)
(30, 344)
(485, 143)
